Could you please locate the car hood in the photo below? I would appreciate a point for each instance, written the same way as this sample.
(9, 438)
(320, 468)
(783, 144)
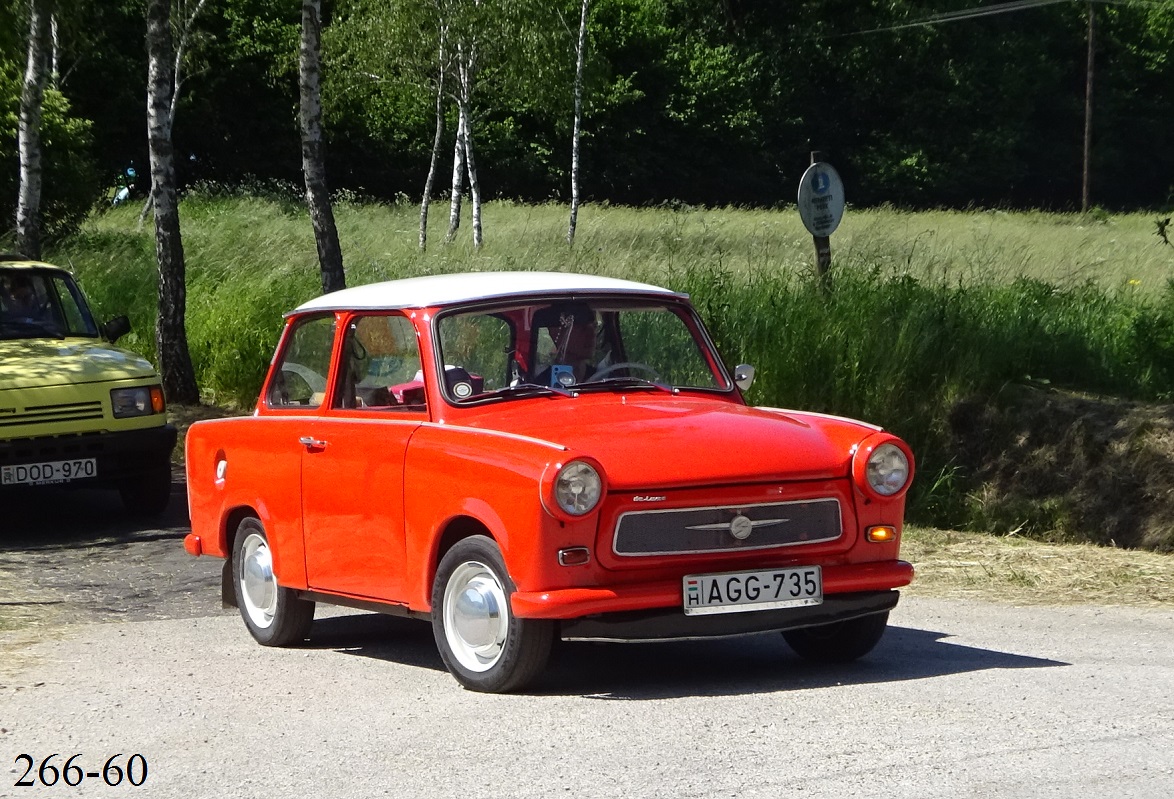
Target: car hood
(40, 363)
(650, 442)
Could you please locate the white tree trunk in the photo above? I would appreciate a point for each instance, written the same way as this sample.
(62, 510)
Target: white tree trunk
(580, 52)
(32, 98)
(442, 68)
(54, 52)
(466, 72)
(175, 364)
(176, 82)
(458, 176)
(313, 151)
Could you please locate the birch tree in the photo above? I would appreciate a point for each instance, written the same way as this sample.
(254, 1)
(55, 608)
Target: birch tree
(175, 363)
(464, 161)
(187, 11)
(458, 176)
(473, 26)
(32, 98)
(467, 69)
(401, 49)
(580, 52)
(313, 151)
(438, 138)
(459, 51)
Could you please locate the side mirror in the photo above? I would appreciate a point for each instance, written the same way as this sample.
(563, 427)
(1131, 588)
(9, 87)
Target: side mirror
(116, 328)
(744, 376)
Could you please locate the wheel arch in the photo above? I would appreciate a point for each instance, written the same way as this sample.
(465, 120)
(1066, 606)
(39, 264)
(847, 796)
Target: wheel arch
(228, 532)
(454, 530)
(232, 521)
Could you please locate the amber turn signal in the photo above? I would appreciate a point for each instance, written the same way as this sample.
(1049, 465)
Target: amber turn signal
(157, 404)
(881, 534)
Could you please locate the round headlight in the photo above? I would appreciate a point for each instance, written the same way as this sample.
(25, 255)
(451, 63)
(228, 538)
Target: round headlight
(577, 488)
(887, 470)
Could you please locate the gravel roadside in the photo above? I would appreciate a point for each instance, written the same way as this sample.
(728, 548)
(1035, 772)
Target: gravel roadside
(122, 647)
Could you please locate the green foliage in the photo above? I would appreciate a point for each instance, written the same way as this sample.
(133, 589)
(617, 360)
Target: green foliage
(901, 336)
(698, 101)
(930, 315)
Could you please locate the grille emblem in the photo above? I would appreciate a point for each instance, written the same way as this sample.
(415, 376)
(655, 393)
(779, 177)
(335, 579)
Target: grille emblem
(740, 527)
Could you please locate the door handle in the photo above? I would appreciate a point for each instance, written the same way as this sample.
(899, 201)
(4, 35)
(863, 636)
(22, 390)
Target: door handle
(311, 443)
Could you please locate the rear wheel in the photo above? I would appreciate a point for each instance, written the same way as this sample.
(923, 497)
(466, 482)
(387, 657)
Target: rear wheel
(840, 642)
(482, 643)
(274, 615)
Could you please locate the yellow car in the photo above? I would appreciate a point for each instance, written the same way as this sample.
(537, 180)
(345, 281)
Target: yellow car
(74, 409)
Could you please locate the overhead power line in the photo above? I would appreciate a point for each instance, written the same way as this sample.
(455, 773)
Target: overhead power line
(991, 10)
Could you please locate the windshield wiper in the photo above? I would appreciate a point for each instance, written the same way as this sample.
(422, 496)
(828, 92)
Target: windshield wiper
(530, 390)
(626, 382)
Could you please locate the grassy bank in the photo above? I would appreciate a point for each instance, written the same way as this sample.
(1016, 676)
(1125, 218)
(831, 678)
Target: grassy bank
(928, 311)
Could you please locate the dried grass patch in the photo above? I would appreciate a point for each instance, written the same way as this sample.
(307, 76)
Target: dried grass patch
(1017, 570)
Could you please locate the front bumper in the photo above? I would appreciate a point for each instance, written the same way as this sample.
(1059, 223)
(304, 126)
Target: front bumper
(573, 603)
(663, 625)
(118, 455)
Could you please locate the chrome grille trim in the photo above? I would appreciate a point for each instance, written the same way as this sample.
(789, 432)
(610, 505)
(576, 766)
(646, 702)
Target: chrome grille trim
(705, 530)
(49, 414)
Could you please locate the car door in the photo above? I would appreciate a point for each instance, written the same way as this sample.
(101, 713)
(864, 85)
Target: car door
(353, 462)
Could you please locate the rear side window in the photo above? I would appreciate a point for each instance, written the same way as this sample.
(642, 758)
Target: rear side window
(380, 367)
(299, 378)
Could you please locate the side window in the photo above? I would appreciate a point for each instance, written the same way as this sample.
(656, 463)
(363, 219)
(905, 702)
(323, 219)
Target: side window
(77, 317)
(381, 365)
(477, 350)
(299, 380)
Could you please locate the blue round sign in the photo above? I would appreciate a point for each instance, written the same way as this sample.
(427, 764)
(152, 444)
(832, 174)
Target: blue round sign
(821, 199)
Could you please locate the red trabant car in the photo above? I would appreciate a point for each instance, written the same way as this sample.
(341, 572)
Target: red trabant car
(519, 456)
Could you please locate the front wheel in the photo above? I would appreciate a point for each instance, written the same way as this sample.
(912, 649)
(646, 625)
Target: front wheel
(480, 640)
(839, 642)
(275, 616)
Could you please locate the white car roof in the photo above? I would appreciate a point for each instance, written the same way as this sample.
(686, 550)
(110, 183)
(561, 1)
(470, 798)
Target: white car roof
(423, 292)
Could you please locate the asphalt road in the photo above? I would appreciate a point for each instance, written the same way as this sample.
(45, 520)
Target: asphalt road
(135, 655)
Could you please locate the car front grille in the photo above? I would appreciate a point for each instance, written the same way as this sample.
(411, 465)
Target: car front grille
(48, 414)
(726, 528)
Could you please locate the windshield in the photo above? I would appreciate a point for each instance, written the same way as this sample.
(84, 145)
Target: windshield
(41, 303)
(565, 347)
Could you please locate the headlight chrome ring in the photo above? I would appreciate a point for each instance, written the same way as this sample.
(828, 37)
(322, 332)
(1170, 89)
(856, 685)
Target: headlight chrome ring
(578, 488)
(887, 470)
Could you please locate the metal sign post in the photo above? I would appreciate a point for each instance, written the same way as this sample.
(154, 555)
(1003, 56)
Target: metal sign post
(821, 207)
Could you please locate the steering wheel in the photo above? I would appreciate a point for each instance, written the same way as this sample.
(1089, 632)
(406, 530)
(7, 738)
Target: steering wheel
(315, 381)
(615, 367)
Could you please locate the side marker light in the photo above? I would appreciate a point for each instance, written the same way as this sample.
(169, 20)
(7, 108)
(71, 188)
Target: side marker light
(574, 556)
(881, 534)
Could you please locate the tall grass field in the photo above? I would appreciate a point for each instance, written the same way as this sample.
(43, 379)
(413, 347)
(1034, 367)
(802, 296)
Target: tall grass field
(925, 310)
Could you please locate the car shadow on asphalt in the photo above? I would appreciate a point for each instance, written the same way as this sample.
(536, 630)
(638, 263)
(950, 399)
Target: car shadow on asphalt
(49, 517)
(723, 667)
(376, 635)
(759, 664)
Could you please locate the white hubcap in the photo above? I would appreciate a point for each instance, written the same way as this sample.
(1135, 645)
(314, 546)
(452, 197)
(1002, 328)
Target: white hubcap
(476, 616)
(258, 585)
